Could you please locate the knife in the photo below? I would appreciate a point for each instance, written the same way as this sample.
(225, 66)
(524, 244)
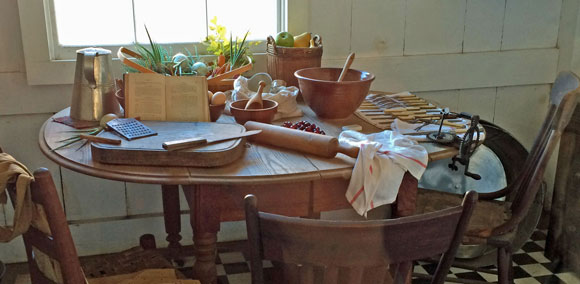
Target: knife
(196, 141)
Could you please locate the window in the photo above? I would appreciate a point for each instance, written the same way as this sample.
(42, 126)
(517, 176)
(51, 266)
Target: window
(52, 30)
(169, 22)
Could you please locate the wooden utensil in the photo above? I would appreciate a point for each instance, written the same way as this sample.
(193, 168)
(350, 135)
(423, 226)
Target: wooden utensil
(103, 140)
(191, 142)
(256, 101)
(306, 142)
(347, 64)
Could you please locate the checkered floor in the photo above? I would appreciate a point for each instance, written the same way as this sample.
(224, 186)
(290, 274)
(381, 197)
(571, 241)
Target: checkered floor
(530, 266)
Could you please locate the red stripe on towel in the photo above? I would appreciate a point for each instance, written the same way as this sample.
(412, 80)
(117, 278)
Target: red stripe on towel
(357, 194)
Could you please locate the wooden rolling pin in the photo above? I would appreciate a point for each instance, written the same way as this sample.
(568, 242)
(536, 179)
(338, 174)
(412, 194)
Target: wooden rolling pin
(302, 141)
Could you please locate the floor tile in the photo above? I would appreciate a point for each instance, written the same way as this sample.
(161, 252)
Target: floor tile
(523, 259)
(489, 277)
(236, 268)
(232, 257)
(549, 279)
(532, 247)
(569, 277)
(520, 273)
(536, 269)
(470, 275)
(242, 278)
(539, 257)
(527, 280)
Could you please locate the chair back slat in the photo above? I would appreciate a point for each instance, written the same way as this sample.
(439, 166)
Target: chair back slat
(331, 275)
(352, 246)
(563, 100)
(59, 246)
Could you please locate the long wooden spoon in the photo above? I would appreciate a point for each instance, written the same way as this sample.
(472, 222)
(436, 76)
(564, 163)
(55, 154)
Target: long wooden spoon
(256, 101)
(347, 64)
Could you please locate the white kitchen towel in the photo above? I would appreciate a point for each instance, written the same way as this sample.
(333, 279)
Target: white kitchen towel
(382, 161)
(284, 96)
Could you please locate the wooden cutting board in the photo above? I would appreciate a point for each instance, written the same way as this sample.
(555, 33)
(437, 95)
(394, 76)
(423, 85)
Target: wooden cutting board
(149, 150)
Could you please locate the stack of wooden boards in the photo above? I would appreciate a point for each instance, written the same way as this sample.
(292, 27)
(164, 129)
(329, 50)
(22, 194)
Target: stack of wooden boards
(381, 109)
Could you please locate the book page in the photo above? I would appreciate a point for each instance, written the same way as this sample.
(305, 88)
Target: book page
(186, 98)
(145, 96)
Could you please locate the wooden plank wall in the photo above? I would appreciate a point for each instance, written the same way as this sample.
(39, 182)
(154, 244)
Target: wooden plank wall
(492, 57)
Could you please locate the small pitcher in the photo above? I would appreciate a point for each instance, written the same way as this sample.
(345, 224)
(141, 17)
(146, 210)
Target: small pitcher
(94, 88)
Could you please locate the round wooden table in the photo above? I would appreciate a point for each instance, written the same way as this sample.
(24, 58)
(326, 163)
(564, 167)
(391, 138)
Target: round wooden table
(285, 182)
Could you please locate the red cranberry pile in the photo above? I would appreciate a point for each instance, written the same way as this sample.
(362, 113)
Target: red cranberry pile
(304, 125)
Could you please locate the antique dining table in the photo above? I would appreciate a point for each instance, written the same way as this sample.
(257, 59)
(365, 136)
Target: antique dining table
(286, 182)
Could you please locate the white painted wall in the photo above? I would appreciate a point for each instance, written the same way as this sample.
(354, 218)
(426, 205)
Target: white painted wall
(492, 57)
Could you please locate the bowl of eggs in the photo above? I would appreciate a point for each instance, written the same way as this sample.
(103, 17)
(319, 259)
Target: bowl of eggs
(217, 103)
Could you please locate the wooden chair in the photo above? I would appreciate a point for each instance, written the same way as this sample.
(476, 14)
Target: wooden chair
(495, 222)
(321, 251)
(54, 259)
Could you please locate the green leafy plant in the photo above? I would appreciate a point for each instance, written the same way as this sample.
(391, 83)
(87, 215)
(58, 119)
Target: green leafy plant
(155, 59)
(158, 58)
(217, 43)
(77, 137)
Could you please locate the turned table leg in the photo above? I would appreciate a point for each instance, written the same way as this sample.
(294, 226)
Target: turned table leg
(205, 222)
(172, 217)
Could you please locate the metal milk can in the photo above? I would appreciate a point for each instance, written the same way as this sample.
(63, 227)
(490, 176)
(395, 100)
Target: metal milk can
(94, 87)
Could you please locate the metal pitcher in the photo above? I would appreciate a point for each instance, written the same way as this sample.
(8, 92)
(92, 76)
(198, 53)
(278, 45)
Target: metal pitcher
(94, 87)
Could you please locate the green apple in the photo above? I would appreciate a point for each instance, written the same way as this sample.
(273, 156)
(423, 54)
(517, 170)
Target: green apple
(284, 39)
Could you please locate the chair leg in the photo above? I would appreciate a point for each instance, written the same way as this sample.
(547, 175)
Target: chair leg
(504, 266)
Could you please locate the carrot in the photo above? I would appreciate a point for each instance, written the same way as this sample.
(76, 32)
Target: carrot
(221, 60)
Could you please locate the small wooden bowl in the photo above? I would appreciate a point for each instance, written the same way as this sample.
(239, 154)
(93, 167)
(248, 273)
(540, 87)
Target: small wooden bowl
(265, 115)
(329, 98)
(215, 111)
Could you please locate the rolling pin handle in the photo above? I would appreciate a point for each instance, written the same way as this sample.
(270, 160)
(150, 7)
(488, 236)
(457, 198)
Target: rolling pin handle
(351, 151)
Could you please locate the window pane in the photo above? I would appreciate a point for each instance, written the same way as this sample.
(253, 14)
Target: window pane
(171, 20)
(257, 16)
(86, 22)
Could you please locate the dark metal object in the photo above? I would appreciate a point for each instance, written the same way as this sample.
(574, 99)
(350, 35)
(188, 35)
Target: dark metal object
(439, 136)
(467, 146)
(442, 137)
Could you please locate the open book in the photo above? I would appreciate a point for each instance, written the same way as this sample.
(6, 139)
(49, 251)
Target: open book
(166, 98)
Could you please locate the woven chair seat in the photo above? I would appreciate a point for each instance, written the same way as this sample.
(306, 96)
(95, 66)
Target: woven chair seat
(125, 262)
(486, 216)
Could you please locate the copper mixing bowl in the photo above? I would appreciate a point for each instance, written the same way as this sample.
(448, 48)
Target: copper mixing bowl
(264, 115)
(329, 98)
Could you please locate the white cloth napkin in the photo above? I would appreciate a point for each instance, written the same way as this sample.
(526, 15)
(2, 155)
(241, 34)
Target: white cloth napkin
(284, 96)
(382, 161)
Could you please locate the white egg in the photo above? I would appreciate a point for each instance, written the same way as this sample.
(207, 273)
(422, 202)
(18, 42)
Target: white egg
(209, 95)
(219, 98)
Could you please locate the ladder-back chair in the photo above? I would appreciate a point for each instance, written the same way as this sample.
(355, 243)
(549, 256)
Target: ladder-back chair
(322, 251)
(52, 256)
(495, 222)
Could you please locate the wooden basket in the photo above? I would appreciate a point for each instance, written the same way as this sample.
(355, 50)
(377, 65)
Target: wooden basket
(225, 81)
(284, 61)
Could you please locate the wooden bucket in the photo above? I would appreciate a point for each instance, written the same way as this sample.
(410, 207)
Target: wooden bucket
(284, 61)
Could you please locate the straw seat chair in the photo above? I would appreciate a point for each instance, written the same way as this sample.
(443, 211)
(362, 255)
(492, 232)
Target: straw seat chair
(322, 251)
(495, 222)
(53, 258)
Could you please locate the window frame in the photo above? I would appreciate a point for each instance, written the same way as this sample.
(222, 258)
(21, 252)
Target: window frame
(47, 66)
